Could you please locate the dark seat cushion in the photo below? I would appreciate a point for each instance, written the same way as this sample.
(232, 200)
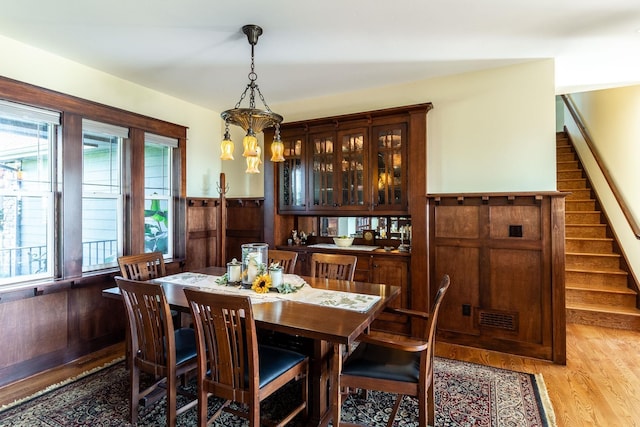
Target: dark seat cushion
(374, 361)
(275, 361)
(185, 344)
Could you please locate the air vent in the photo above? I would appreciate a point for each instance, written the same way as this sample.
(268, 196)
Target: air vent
(498, 319)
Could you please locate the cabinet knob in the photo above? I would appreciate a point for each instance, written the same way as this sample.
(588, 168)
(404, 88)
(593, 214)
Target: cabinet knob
(375, 265)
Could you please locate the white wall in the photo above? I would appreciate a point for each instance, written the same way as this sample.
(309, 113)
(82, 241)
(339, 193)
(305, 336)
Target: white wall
(612, 120)
(27, 64)
(489, 131)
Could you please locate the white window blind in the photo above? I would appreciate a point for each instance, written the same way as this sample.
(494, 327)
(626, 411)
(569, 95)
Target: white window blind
(161, 140)
(26, 112)
(89, 126)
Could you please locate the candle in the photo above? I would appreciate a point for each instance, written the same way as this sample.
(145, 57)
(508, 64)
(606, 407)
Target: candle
(234, 269)
(252, 267)
(276, 277)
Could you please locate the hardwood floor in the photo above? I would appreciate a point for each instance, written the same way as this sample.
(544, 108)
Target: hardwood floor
(598, 386)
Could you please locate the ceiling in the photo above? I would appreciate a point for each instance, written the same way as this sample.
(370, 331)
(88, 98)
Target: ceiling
(195, 50)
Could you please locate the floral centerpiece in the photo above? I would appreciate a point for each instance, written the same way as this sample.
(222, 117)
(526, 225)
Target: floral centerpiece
(262, 283)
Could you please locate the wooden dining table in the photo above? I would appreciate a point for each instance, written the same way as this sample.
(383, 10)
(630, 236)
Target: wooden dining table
(330, 330)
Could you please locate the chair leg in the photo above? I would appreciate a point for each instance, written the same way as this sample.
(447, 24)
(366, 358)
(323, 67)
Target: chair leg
(394, 411)
(171, 401)
(134, 395)
(431, 406)
(254, 413)
(203, 405)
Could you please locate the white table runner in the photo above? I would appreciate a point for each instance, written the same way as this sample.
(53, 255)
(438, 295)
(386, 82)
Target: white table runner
(306, 294)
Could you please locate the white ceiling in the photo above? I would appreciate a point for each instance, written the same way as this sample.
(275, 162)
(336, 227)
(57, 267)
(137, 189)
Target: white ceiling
(195, 50)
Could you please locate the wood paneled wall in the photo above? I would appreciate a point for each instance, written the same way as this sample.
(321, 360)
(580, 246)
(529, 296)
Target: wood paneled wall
(245, 220)
(505, 256)
(203, 233)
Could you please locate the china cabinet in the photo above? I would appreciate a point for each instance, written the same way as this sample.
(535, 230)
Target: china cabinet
(352, 163)
(292, 195)
(356, 165)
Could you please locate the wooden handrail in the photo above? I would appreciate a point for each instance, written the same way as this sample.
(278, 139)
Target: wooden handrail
(607, 176)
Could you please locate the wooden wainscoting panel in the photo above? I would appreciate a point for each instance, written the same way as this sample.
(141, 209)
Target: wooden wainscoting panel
(202, 233)
(516, 285)
(501, 251)
(457, 221)
(245, 224)
(511, 219)
(29, 331)
(462, 264)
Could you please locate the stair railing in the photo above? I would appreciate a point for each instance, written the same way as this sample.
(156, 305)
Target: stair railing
(605, 172)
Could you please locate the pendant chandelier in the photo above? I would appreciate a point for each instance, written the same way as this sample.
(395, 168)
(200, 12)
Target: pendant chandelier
(252, 120)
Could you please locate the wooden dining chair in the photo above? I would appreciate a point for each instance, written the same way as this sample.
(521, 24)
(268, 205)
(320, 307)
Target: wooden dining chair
(395, 364)
(286, 259)
(144, 266)
(333, 266)
(156, 348)
(231, 363)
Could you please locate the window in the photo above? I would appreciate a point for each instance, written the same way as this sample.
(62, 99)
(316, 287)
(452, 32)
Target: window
(101, 194)
(28, 142)
(158, 190)
(82, 183)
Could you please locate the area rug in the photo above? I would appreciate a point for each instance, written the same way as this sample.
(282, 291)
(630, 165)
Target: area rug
(467, 395)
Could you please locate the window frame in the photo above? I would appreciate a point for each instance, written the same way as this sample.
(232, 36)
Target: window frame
(68, 188)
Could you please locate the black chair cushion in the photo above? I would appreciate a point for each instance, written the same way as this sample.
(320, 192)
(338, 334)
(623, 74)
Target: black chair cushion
(185, 344)
(374, 361)
(275, 361)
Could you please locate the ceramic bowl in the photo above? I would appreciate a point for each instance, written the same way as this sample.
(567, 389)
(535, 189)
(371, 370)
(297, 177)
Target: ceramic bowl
(343, 242)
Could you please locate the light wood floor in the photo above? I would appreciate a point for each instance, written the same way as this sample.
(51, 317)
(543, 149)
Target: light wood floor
(599, 386)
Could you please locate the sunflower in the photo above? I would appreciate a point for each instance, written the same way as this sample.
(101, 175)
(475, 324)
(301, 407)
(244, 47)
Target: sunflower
(262, 283)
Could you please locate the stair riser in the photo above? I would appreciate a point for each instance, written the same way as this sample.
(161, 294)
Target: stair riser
(580, 205)
(583, 217)
(569, 174)
(608, 299)
(572, 184)
(595, 262)
(589, 246)
(595, 280)
(568, 166)
(607, 320)
(596, 231)
(565, 157)
(579, 194)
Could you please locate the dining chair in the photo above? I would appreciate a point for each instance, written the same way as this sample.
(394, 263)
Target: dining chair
(144, 266)
(333, 266)
(231, 363)
(156, 348)
(286, 259)
(396, 364)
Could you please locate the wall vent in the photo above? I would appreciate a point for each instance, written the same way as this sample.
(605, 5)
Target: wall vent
(498, 319)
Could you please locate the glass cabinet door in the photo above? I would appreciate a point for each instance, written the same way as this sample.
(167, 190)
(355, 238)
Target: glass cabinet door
(391, 189)
(321, 177)
(292, 176)
(353, 163)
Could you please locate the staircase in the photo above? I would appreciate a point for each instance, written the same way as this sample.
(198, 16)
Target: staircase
(596, 285)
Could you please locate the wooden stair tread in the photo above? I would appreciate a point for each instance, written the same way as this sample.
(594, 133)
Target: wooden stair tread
(604, 255)
(600, 271)
(590, 239)
(617, 290)
(604, 309)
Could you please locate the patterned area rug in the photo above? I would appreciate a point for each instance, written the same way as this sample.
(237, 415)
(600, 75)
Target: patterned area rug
(467, 395)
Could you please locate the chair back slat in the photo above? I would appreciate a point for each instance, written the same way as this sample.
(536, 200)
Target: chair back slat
(286, 259)
(333, 266)
(142, 267)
